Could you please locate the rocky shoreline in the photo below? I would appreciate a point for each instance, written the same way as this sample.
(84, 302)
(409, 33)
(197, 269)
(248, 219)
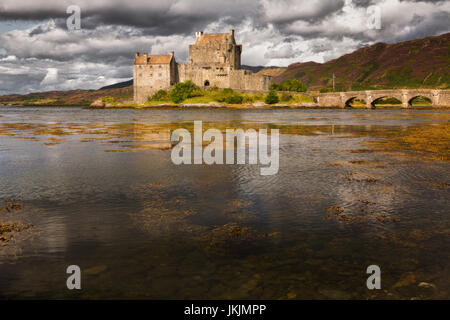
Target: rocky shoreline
(98, 104)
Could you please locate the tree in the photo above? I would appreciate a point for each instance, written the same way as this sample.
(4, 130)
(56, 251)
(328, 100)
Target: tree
(293, 85)
(160, 95)
(229, 96)
(182, 90)
(271, 97)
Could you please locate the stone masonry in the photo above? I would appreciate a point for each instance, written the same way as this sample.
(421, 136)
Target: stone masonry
(214, 61)
(439, 98)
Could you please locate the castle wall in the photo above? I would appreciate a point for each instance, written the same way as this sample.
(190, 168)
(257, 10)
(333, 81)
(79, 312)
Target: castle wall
(234, 79)
(246, 80)
(203, 77)
(214, 61)
(149, 78)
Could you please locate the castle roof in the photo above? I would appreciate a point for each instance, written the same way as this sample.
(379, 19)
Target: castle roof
(213, 37)
(153, 59)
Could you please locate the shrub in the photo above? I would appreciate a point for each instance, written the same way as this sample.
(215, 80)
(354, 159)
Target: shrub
(286, 97)
(229, 96)
(271, 97)
(234, 98)
(182, 91)
(161, 95)
(293, 85)
(248, 98)
(110, 100)
(197, 93)
(275, 87)
(176, 95)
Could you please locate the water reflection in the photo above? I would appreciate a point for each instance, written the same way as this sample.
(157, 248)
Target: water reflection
(100, 191)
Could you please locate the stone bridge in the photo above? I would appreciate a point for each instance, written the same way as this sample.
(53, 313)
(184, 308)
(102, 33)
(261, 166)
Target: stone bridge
(439, 98)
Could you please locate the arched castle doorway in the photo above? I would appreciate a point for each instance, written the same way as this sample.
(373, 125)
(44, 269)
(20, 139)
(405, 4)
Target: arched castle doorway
(206, 84)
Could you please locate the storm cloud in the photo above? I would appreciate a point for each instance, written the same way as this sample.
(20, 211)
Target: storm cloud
(38, 52)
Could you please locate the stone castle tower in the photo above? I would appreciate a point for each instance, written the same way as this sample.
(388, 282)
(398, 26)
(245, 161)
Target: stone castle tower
(214, 61)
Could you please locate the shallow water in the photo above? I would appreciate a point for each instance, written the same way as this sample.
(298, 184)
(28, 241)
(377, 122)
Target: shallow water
(99, 190)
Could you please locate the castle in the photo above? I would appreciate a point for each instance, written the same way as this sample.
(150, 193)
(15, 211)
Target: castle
(214, 61)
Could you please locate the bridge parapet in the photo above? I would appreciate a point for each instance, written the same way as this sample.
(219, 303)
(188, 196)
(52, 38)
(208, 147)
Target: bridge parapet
(439, 98)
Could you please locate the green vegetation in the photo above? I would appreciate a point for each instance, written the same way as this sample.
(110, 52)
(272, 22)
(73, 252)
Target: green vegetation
(358, 86)
(339, 87)
(228, 96)
(109, 100)
(183, 90)
(368, 69)
(271, 97)
(285, 97)
(292, 85)
(161, 95)
(421, 102)
(388, 101)
(401, 77)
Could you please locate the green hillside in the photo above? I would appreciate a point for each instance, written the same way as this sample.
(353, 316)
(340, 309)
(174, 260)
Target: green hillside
(413, 64)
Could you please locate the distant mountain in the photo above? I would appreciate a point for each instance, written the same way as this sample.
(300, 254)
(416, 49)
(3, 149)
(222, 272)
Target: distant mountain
(417, 63)
(69, 97)
(257, 69)
(118, 85)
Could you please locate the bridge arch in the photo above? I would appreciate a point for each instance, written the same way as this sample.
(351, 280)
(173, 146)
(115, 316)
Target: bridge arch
(351, 100)
(388, 100)
(423, 99)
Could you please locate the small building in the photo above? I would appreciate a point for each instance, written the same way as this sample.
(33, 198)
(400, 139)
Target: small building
(214, 61)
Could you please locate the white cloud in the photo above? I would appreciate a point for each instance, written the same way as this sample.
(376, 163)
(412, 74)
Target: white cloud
(9, 58)
(50, 78)
(272, 33)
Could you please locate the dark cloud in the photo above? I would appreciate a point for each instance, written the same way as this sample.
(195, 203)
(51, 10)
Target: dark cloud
(273, 32)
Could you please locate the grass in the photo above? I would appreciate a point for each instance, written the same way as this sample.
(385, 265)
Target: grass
(220, 96)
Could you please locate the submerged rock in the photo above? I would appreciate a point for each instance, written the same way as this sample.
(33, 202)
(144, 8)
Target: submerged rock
(98, 103)
(95, 270)
(405, 280)
(427, 285)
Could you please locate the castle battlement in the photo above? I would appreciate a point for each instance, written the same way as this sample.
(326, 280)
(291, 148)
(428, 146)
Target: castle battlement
(214, 61)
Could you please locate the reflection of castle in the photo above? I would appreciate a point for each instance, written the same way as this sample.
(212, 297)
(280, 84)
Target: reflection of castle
(214, 60)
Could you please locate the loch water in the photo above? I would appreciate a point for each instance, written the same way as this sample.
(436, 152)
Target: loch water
(98, 189)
